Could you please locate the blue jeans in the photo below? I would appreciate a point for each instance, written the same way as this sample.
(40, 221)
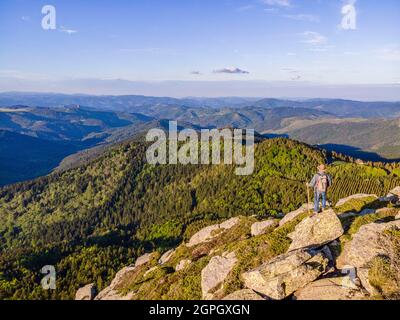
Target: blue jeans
(317, 196)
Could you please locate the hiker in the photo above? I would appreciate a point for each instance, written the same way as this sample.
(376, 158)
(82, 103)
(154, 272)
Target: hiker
(320, 183)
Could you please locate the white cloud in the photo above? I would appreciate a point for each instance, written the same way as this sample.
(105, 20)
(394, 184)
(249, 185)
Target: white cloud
(68, 31)
(314, 38)
(279, 3)
(390, 53)
(302, 17)
(26, 18)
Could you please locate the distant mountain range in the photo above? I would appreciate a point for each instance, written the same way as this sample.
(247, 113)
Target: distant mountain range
(141, 104)
(80, 127)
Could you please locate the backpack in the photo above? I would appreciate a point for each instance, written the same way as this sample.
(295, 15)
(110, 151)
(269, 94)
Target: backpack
(322, 183)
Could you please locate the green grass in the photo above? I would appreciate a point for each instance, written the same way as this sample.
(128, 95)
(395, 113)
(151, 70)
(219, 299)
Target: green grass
(357, 205)
(352, 225)
(251, 252)
(384, 274)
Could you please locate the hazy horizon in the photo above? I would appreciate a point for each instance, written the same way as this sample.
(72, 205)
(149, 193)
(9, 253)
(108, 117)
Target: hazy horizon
(274, 48)
(207, 89)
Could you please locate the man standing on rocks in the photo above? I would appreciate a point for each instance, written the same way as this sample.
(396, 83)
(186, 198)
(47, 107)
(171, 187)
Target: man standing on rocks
(320, 183)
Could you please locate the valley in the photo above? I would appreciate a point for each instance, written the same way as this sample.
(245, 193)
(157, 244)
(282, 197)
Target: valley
(92, 220)
(365, 130)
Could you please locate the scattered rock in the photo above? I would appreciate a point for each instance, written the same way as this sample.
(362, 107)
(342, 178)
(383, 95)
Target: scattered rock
(243, 295)
(111, 292)
(183, 264)
(259, 228)
(340, 288)
(208, 233)
(88, 292)
(294, 214)
(215, 273)
(316, 231)
(398, 216)
(143, 259)
(355, 196)
(228, 224)
(166, 256)
(365, 246)
(287, 273)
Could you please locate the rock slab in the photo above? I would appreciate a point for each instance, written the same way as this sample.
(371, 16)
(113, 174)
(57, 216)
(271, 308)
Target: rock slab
(208, 233)
(215, 273)
(316, 231)
(111, 292)
(259, 228)
(340, 288)
(287, 273)
(87, 292)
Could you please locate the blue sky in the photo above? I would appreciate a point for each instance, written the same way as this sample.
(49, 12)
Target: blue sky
(201, 40)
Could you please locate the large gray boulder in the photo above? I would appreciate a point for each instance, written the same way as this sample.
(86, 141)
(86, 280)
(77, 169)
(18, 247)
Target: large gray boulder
(143, 259)
(287, 273)
(340, 288)
(87, 292)
(243, 295)
(316, 231)
(294, 214)
(365, 245)
(112, 292)
(166, 256)
(215, 273)
(259, 228)
(208, 233)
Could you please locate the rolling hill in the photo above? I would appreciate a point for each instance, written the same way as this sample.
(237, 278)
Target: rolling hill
(91, 220)
(375, 140)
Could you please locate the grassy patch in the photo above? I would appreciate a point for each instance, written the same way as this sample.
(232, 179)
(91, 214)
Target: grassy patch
(384, 273)
(352, 225)
(357, 205)
(358, 222)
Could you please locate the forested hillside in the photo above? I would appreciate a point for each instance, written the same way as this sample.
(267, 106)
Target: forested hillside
(90, 221)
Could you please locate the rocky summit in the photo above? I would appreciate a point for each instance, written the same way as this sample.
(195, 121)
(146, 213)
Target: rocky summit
(328, 256)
